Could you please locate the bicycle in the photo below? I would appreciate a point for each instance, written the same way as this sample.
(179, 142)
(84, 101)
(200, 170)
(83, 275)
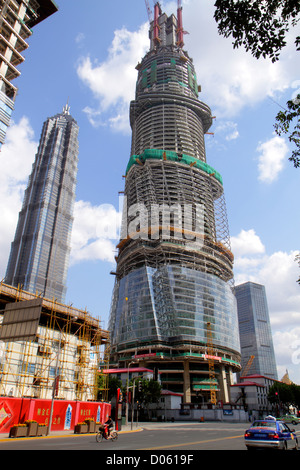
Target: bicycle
(102, 434)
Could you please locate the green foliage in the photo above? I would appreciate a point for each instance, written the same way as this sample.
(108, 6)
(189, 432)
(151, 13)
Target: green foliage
(148, 392)
(284, 394)
(260, 26)
(285, 119)
(113, 384)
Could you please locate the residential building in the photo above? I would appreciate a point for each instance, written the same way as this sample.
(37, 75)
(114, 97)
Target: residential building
(17, 17)
(255, 331)
(39, 256)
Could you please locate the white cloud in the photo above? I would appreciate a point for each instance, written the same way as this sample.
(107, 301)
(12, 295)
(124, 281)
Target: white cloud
(16, 159)
(228, 129)
(94, 229)
(113, 81)
(272, 157)
(247, 242)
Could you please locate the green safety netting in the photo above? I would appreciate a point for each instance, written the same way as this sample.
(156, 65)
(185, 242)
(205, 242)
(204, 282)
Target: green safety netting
(156, 154)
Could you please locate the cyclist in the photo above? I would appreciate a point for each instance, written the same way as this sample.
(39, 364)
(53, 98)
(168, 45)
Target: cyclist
(110, 424)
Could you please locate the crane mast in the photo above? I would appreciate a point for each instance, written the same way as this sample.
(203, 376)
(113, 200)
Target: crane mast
(150, 15)
(180, 32)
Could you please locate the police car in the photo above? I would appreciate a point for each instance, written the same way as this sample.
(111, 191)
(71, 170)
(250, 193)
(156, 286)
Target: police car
(272, 434)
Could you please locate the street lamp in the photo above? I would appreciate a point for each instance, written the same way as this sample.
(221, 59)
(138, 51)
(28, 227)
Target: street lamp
(127, 391)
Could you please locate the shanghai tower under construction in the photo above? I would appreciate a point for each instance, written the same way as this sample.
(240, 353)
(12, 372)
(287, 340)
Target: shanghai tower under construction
(173, 309)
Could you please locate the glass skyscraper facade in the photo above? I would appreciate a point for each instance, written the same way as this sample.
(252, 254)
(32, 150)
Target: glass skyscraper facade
(255, 329)
(173, 308)
(39, 256)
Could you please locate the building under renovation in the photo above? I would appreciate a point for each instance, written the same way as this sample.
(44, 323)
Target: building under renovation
(47, 349)
(173, 309)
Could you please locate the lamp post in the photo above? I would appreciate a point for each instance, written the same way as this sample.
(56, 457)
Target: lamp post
(127, 391)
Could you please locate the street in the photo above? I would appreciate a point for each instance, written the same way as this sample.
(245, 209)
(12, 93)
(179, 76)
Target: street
(152, 441)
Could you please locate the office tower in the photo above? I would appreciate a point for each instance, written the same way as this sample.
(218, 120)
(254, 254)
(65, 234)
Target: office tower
(173, 308)
(40, 251)
(17, 17)
(255, 330)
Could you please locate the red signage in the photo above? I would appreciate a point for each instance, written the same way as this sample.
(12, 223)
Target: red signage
(144, 355)
(66, 414)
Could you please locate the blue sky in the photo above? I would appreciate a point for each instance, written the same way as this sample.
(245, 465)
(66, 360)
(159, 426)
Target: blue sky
(86, 53)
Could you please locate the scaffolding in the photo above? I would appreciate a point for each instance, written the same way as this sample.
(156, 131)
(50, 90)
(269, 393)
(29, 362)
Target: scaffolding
(167, 184)
(66, 350)
(174, 270)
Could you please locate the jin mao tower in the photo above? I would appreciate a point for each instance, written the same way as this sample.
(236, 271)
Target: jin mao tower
(173, 309)
(40, 251)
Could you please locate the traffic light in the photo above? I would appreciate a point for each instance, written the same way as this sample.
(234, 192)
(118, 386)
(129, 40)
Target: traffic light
(140, 386)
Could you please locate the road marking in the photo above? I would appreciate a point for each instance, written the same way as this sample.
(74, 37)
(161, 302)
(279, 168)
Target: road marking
(194, 443)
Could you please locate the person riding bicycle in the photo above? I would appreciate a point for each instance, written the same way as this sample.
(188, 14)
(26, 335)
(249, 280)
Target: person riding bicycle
(110, 424)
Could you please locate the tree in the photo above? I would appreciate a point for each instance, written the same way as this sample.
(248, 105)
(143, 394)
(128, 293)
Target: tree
(147, 392)
(261, 27)
(284, 395)
(113, 384)
(285, 119)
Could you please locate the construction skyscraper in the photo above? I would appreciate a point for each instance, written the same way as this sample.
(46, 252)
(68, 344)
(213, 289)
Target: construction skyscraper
(173, 308)
(39, 256)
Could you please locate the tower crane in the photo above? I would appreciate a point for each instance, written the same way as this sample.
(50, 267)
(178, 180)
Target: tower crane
(180, 30)
(150, 14)
(247, 367)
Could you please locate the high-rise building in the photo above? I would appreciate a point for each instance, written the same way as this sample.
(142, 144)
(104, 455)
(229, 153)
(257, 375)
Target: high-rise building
(17, 17)
(173, 308)
(255, 330)
(40, 251)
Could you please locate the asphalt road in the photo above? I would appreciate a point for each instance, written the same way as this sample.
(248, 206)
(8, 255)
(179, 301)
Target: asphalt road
(151, 445)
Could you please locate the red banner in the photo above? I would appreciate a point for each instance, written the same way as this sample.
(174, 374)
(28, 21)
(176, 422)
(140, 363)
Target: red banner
(66, 414)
